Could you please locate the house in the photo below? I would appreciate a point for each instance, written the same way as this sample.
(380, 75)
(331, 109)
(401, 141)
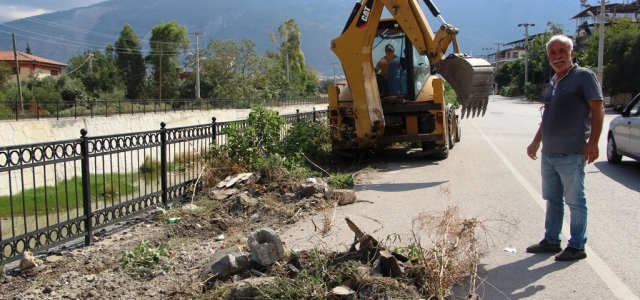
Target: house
(31, 64)
(588, 19)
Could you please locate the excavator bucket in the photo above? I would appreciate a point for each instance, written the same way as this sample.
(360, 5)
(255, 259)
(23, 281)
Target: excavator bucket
(470, 78)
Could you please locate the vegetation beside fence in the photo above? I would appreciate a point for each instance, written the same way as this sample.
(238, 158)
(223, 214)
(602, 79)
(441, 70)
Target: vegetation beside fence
(37, 109)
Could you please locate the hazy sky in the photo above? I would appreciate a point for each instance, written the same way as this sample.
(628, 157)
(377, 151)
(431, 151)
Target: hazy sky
(17, 9)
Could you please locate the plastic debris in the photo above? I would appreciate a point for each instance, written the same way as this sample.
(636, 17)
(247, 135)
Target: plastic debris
(173, 220)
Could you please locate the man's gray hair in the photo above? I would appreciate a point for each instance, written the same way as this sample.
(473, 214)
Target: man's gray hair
(562, 38)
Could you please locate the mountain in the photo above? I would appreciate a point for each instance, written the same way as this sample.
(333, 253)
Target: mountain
(62, 34)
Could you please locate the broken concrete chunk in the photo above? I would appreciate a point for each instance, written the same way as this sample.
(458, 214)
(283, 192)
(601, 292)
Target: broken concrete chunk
(230, 265)
(231, 180)
(343, 196)
(221, 194)
(266, 246)
(218, 255)
(246, 200)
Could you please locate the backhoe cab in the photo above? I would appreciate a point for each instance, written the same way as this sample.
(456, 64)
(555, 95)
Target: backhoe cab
(401, 99)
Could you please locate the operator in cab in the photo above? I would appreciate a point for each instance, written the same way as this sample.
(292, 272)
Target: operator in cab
(383, 64)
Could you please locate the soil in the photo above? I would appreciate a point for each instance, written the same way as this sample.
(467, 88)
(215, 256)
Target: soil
(211, 223)
(95, 272)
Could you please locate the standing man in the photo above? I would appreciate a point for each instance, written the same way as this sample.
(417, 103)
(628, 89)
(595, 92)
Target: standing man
(569, 133)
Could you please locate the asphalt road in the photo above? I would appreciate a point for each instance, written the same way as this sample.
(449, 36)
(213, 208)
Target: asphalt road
(489, 176)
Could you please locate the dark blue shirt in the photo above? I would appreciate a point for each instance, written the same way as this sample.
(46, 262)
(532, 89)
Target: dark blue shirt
(566, 121)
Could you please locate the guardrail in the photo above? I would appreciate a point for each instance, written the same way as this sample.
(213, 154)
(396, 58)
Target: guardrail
(38, 109)
(65, 190)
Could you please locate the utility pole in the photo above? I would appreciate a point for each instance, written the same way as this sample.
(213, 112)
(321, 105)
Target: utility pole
(335, 69)
(15, 56)
(160, 74)
(197, 65)
(526, 50)
(601, 43)
(89, 57)
(497, 54)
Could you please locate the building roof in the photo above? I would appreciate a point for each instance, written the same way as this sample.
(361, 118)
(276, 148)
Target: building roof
(7, 55)
(610, 9)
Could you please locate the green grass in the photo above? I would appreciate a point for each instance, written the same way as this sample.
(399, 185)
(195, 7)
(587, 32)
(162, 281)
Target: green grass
(68, 194)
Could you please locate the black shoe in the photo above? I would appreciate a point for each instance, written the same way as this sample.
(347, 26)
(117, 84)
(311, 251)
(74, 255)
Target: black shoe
(544, 247)
(571, 254)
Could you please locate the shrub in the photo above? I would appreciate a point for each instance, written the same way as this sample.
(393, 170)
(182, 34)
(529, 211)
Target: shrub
(307, 137)
(252, 141)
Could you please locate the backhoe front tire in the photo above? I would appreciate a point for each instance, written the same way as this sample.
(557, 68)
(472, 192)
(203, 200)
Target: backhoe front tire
(453, 129)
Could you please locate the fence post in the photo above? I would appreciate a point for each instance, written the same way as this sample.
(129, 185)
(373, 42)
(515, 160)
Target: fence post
(214, 133)
(314, 115)
(86, 188)
(37, 109)
(297, 115)
(163, 163)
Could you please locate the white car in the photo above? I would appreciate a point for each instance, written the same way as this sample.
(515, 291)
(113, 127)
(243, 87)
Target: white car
(623, 138)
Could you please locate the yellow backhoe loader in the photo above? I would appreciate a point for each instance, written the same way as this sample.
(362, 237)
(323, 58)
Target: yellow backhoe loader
(395, 90)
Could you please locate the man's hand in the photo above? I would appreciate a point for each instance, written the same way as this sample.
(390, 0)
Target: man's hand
(532, 150)
(591, 152)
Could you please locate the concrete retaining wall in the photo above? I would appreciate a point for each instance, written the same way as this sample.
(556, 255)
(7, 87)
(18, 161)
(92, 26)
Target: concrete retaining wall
(49, 130)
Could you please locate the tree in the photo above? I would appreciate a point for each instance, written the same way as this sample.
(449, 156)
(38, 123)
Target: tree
(167, 39)
(5, 74)
(621, 58)
(98, 71)
(301, 80)
(130, 62)
(235, 70)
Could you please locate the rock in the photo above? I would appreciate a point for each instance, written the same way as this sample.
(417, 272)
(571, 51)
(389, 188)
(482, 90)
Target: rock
(306, 191)
(219, 254)
(246, 200)
(389, 265)
(248, 288)
(255, 217)
(342, 291)
(289, 197)
(266, 246)
(190, 206)
(229, 265)
(47, 290)
(344, 196)
(52, 259)
(29, 261)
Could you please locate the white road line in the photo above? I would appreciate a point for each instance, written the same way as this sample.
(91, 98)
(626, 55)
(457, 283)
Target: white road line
(621, 290)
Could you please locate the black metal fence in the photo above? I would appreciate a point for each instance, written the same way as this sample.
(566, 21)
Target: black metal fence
(38, 109)
(52, 193)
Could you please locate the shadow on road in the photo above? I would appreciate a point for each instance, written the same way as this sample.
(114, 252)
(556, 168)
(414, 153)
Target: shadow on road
(397, 187)
(517, 279)
(626, 173)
